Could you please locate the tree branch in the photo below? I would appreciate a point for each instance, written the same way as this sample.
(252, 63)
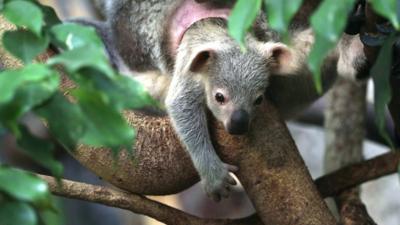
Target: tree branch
(352, 176)
(272, 171)
(328, 185)
(134, 203)
(352, 209)
(345, 116)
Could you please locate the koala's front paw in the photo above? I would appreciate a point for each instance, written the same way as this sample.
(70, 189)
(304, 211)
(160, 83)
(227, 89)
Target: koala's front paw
(218, 183)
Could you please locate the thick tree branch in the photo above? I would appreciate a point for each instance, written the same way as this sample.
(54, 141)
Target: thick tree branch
(344, 136)
(344, 127)
(328, 185)
(352, 176)
(273, 172)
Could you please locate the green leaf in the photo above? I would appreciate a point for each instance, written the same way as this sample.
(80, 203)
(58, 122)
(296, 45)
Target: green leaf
(387, 9)
(72, 36)
(55, 216)
(328, 23)
(122, 91)
(381, 77)
(106, 126)
(40, 150)
(320, 49)
(24, 14)
(11, 80)
(280, 13)
(242, 17)
(17, 213)
(127, 93)
(83, 57)
(50, 16)
(64, 119)
(24, 186)
(24, 89)
(24, 44)
(28, 97)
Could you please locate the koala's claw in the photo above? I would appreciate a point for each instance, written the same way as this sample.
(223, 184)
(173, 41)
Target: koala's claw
(219, 185)
(231, 168)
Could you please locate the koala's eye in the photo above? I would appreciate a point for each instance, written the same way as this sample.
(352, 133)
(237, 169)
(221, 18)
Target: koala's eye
(258, 100)
(220, 98)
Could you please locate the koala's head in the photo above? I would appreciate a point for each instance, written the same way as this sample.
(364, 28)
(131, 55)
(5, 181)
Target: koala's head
(235, 81)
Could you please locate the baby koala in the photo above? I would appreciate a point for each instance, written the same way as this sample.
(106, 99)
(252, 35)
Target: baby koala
(196, 66)
(211, 71)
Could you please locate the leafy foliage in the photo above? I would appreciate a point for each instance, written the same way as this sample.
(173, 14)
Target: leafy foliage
(24, 44)
(17, 213)
(92, 114)
(94, 117)
(381, 77)
(328, 23)
(24, 14)
(24, 186)
(280, 13)
(243, 15)
(23, 197)
(388, 9)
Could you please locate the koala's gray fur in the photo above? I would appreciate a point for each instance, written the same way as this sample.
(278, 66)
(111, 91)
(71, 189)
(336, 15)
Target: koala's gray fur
(138, 30)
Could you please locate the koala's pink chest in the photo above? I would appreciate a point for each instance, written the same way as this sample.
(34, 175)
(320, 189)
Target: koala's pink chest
(187, 14)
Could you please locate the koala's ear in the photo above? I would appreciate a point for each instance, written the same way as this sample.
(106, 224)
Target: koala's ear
(280, 58)
(200, 60)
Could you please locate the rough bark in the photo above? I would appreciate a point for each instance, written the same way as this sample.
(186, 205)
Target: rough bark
(344, 136)
(273, 173)
(135, 203)
(344, 124)
(160, 166)
(345, 131)
(328, 185)
(352, 209)
(351, 176)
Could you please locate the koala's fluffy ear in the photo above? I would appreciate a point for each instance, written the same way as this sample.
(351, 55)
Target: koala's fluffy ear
(280, 58)
(200, 60)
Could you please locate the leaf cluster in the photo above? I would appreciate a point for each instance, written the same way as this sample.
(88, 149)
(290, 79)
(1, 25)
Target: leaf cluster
(90, 114)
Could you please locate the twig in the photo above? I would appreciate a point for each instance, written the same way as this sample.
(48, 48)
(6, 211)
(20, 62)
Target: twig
(351, 176)
(134, 203)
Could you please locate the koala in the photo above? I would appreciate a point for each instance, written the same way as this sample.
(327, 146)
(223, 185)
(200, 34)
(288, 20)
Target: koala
(184, 55)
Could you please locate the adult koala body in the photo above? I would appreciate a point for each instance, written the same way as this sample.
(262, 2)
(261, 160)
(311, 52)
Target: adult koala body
(186, 42)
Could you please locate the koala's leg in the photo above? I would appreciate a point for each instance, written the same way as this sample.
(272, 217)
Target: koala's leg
(185, 106)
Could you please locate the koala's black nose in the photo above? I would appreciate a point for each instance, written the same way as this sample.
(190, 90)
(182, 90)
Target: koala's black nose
(239, 122)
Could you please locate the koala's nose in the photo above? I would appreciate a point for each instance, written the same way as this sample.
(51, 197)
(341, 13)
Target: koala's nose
(239, 122)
